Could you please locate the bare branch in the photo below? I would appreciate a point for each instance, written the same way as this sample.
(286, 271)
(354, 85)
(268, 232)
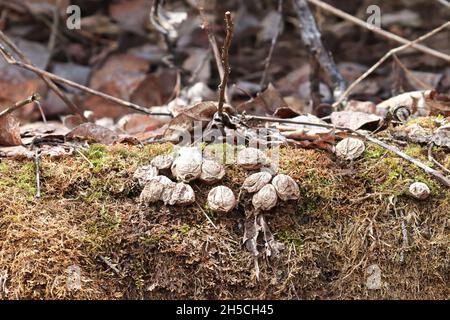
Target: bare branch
(384, 58)
(226, 65)
(379, 31)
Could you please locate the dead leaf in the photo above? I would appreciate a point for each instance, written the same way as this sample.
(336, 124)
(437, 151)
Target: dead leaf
(355, 120)
(137, 122)
(9, 131)
(93, 133)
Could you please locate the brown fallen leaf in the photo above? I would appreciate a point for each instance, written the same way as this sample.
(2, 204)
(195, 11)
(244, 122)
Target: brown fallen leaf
(9, 131)
(93, 133)
(16, 152)
(135, 123)
(355, 120)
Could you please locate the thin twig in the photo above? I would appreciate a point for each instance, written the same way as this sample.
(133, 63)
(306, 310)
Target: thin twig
(378, 31)
(444, 3)
(384, 58)
(55, 27)
(11, 60)
(38, 175)
(72, 106)
(432, 159)
(212, 42)
(206, 215)
(20, 104)
(438, 175)
(109, 264)
(41, 111)
(410, 74)
(272, 45)
(226, 65)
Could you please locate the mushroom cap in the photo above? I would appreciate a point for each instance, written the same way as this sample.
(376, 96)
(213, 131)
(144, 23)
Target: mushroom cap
(255, 182)
(144, 174)
(162, 162)
(419, 190)
(212, 171)
(251, 158)
(286, 187)
(221, 199)
(266, 198)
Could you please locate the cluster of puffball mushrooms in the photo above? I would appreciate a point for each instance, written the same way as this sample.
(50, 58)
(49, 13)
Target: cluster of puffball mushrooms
(188, 165)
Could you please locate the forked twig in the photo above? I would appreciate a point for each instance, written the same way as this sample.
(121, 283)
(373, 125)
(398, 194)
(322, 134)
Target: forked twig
(20, 104)
(72, 106)
(378, 31)
(384, 58)
(11, 60)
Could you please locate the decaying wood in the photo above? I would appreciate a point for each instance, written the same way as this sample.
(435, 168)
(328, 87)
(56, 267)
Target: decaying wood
(312, 39)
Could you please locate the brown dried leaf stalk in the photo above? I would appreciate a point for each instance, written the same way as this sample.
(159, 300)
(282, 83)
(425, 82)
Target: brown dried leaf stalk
(226, 65)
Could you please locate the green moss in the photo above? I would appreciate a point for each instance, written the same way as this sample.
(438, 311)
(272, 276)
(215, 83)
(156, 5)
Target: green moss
(415, 151)
(424, 122)
(374, 151)
(184, 229)
(288, 237)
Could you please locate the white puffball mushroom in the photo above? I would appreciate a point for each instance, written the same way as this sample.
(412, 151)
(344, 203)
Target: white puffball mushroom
(144, 174)
(255, 182)
(187, 166)
(350, 148)
(266, 198)
(286, 187)
(162, 162)
(181, 195)
(212, 172)
(155, 189)
(419, 190)
(251, 158)
(221, 199)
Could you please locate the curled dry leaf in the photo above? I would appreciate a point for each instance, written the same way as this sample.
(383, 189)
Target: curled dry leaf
(251, 158)
(419, 190)
(256, 181)
(9, 131)
(221, 199)
(144, 174)
(182, 194)
(212, 172)
(162, 162)
(350, 148)
(187, 166)
(442, 136)
(157, 188)
(286, 187)
(266, 198)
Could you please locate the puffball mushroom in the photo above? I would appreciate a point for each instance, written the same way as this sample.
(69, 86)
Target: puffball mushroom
(221, 199)
(162, 162)
(144, 174)
(182, 194)
(350, 148)
(286, 187)
(419, 190)
(256, 181)
(212, 171)
(266, 198)
(155, 189)
(251, 158)
(187, 166)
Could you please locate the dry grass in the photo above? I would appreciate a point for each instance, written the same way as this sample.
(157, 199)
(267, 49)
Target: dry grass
(342, 224)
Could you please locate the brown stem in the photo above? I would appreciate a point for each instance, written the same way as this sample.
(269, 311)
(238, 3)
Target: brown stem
(20, 104)
(226, 65)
